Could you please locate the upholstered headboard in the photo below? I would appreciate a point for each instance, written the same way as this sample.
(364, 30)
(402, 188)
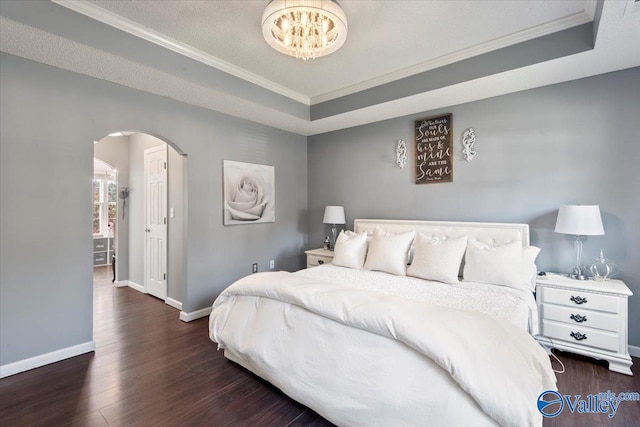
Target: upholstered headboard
(485, 232)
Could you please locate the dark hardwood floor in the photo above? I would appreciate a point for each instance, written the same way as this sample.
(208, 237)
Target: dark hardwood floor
(151, 369)
(584, 376)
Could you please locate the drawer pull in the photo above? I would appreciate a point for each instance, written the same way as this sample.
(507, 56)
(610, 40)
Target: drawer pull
(320, 262)
(578, 336)
(578, 318)
(578, 300)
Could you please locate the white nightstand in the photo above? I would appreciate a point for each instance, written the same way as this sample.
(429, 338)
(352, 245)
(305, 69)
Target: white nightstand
(316, 257)
(585, 317)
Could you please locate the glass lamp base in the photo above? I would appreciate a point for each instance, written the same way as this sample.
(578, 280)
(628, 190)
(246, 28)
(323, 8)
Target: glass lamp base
(577, 274)
(334, 231)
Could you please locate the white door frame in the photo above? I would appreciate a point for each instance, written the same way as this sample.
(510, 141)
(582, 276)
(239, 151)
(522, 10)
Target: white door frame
(155, 221)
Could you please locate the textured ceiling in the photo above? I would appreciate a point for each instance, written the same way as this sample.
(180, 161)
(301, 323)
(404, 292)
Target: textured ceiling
(384, 37)
(439, 53)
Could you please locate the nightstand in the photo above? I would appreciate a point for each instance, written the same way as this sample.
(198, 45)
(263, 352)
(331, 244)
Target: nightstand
(316, 257)
(585, 317)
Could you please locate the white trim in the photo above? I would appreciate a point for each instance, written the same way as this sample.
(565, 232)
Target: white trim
(495, 44)
(169, 301)
(46, 359)
(121, 283)
(158, 288)
(634, 351)
(134, 28)
(188, 317)
(173, 303)
(137, 287)
(633, 6)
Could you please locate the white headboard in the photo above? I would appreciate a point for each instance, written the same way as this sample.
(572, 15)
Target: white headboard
(485, 232)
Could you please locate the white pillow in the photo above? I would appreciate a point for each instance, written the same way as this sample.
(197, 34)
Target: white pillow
(497, 265)
(529, 268)
(389, 252)
(350, 250)
(437, 259)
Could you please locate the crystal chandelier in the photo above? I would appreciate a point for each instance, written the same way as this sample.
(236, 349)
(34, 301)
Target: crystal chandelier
(305, 29)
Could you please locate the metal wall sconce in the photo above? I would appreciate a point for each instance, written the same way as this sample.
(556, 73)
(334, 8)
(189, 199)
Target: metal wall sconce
(468, 140)
(401, 153)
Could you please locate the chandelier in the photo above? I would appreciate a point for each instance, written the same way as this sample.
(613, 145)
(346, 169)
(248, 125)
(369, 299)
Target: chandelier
(305, 29)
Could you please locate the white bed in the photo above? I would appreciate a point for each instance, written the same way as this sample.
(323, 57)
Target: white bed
(365, 348)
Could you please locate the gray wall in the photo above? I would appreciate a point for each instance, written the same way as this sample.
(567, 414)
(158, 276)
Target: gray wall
(569, 143)
(575, 142)
(49, 121)
(115, 151)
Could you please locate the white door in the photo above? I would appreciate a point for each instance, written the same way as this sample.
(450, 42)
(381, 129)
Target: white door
(155, 197)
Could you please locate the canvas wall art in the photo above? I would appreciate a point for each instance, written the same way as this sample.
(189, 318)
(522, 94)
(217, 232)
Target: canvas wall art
(249, 193)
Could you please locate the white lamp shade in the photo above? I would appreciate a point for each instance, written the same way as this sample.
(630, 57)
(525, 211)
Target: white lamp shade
(579, 220)
(334, 215)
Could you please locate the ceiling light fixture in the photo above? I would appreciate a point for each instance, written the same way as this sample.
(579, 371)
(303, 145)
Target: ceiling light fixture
(305, 29)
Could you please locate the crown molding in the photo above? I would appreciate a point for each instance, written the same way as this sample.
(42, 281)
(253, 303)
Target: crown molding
(633, 6)
(491, 45)
(135, 29)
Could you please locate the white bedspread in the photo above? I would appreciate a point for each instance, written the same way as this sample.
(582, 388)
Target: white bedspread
(499, 365)
(517, 306)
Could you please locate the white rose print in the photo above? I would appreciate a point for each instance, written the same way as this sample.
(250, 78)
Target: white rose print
(249, 193)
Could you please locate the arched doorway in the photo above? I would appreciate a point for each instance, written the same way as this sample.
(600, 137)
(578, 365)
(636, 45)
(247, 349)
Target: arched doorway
(125, 150)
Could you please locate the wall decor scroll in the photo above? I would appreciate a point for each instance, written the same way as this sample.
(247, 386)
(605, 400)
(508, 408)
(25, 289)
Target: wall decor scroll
(401, 153)
(433, 150)
(468, 140)
(249, 193)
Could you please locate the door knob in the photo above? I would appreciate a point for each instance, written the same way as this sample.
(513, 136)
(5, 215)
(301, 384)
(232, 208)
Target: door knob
(147, 230)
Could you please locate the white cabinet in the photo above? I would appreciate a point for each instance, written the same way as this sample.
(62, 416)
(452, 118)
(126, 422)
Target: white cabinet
(103, 250)
(316, 257)
(585, 317)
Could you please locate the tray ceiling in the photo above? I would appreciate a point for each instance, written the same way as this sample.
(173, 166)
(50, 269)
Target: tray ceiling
(400, 57)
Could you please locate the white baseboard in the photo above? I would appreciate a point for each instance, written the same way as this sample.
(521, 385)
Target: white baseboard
(46, 359)
(634, 351)
(173, 303)
(121, 283)
(137, 287)
(188, 317)
(133, 285)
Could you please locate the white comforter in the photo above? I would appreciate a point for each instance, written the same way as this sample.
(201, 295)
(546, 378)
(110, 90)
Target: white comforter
(499, 365)
(517, 306)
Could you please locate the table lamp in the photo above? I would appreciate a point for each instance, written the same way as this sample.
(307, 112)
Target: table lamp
(579, 221)
(333, 215)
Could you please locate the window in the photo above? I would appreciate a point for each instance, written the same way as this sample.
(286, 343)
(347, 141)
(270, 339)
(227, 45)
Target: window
(105, 199)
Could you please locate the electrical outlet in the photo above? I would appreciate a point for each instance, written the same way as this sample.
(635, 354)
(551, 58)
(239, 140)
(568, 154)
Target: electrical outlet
(255, 267)
(272, 264)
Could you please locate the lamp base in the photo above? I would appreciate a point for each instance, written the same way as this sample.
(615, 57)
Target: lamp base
(577, 274)
(334, 231)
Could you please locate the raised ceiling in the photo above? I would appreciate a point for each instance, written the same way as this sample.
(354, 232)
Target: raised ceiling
(385, 37)
(400, 57)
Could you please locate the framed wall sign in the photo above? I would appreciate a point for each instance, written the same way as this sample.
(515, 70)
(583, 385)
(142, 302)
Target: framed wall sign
(433, 150)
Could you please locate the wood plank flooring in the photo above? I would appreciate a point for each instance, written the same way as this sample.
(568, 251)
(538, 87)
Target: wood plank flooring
(151, 369)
